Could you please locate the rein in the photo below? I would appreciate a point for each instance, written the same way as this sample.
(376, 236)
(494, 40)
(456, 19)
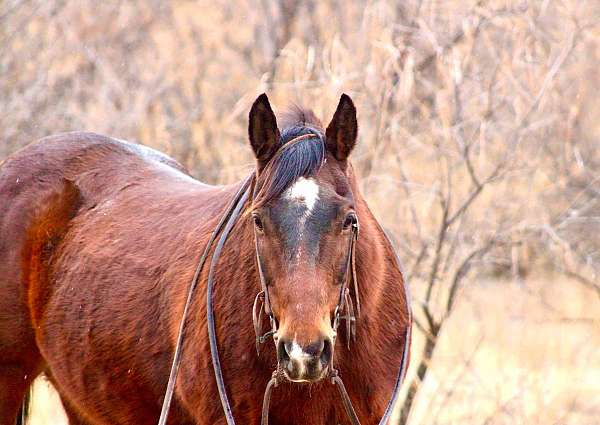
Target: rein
(344, 311)
(227, 217)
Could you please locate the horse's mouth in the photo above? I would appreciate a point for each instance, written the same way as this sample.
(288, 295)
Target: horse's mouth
(311, 377)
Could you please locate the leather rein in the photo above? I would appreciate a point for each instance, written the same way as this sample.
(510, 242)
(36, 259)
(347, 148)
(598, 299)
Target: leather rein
(345, 310)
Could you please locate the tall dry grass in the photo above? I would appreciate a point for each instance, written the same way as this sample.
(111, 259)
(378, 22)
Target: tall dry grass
(478, 151)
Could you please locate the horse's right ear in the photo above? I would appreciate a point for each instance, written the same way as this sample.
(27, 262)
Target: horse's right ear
(263, 131)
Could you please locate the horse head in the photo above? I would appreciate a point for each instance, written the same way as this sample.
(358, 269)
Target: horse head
(305, 226)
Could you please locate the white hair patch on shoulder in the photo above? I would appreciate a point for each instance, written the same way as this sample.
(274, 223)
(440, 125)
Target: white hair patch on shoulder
(304, 190)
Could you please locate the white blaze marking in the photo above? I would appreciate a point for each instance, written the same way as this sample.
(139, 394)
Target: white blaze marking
(304, 190)
(298, 356)
(296, 352)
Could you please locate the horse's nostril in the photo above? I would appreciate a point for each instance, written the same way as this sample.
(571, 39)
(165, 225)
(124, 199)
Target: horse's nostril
(326, 352)
(315, 349)
(283, 351)
(312, 356)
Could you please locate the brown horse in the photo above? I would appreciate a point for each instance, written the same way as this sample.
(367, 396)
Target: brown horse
(100, 238)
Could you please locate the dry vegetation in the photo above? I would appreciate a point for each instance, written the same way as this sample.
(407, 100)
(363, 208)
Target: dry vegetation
(478, 152)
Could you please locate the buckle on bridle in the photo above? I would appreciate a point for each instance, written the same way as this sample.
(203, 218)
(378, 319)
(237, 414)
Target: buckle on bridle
(257, 313)
(345, 311)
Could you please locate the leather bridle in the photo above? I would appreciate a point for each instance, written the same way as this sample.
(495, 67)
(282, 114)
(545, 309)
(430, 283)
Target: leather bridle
(344, 311)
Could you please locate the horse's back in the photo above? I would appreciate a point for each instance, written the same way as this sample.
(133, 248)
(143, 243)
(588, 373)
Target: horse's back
(41, 188)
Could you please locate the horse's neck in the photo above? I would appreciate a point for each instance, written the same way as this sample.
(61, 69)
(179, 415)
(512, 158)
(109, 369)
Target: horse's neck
(236, 273)
(380, 281)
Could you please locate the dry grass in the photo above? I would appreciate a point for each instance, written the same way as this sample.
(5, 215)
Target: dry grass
(46, 408)
(517, 353)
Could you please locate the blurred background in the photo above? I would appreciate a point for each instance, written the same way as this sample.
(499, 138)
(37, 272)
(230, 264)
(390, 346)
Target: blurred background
(479, 151)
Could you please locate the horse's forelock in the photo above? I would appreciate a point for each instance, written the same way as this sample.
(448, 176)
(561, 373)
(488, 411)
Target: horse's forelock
(296, 157)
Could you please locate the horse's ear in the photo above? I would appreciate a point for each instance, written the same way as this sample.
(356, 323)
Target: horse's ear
(342, 131)
(263, 131)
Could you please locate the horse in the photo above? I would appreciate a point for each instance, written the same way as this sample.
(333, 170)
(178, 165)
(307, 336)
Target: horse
(99, 239)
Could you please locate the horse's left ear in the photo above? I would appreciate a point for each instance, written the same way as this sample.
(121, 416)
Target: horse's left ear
(263, 131)
(342, 131)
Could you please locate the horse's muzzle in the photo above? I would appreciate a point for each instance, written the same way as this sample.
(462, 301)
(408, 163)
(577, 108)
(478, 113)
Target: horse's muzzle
(306, 363)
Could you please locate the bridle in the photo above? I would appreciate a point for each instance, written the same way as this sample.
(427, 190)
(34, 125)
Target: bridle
(344, 310)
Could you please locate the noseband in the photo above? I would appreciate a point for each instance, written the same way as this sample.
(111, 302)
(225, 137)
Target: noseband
(344, 310)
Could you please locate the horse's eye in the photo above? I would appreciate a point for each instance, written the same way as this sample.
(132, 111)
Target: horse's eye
(258, 223)
(349, 221)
